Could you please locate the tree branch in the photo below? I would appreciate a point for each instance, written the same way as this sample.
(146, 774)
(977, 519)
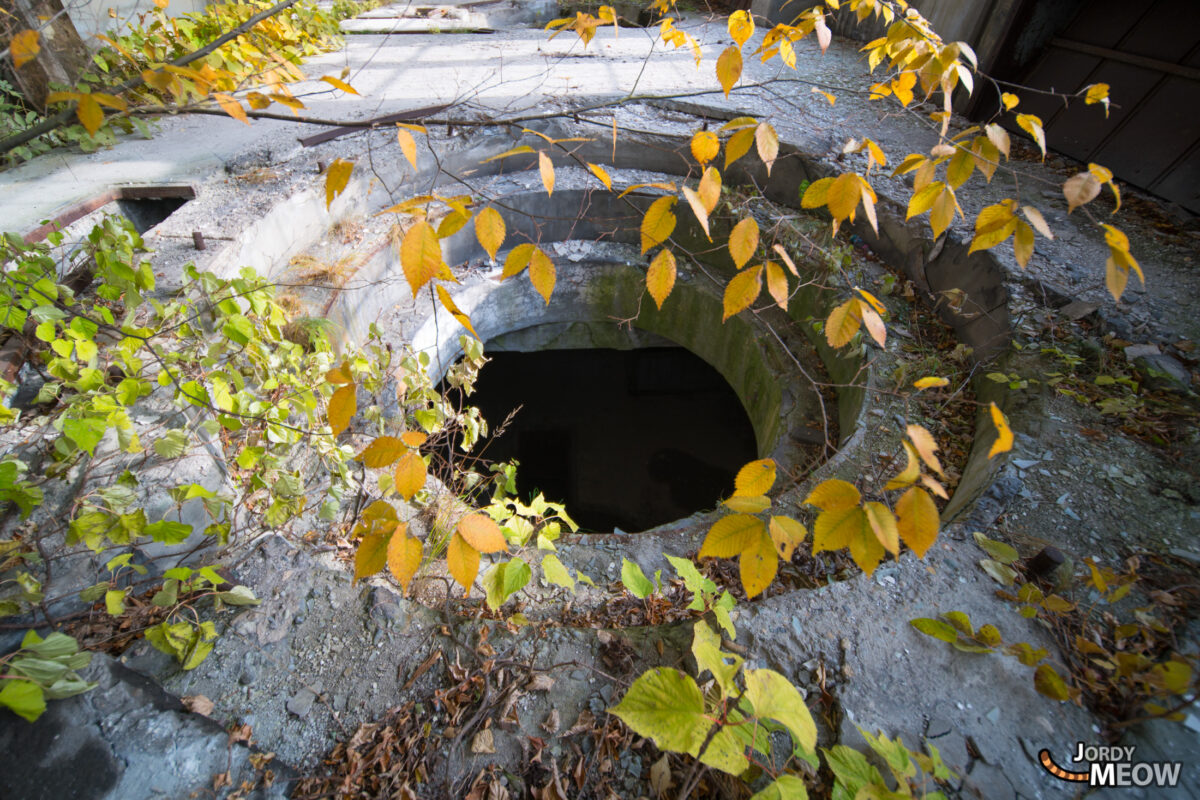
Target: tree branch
(63, 117)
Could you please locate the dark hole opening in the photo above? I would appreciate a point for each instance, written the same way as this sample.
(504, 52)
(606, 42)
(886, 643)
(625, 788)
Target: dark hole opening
(627, 439)
(146, 212)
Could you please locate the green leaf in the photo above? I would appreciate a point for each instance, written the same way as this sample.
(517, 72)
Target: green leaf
(785, 787)
(1000, 551)
(554, 572)
(173, 444)
(726, 752)
(168, 532)
(851, 770)
(774, 697)
(86, 433)
(692, 579)
(168, 595)
(935, 628)
(635, 580)
(1048, 682)
(23, 698)
(706, 648)
(504, 580)
(114, 602)
(238, 596)
(665, 705)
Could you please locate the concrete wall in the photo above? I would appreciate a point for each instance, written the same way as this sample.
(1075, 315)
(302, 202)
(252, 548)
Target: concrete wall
(92, 16)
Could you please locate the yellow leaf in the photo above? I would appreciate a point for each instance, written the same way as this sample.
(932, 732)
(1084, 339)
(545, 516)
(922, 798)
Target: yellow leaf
(234, 109)
(371, 555)
(908, 476)
(601, 175)
(382, 452)
(342, 407)
(817, 193)
(833, 495)
(872, 300)
(518, 259)
(930, 383)
(408, 146)
(842, 324)
(873, 323)
(421, 255)
(868, 201)
(942, 213)
(337, 83)
(659, 223)
(748, 505)
(738, 145)
(960, 168)
(787, 534)
(783, 254)
(513, 152)
(1097, 93)
(91, 116)
(986, 156)
(926, 447)
(1004, 434)
(337, 175)
(743, 241)
(258, 101)
(705, 146)
(542, 275)
(730, 535)
(755, 478)
(935, 487)
(546, 167)
(1103, 174)
(462, 561)
(903, 85)
(758, 564)
(490, 230)
(410, 475)
(741, 26)
(403, 557)
(1010, 100)
(742, 290)
(1115, 278)
(831, 98)
(294, 105)
(924, 199)
(669, 187)
(452, 223)
(918, 520)
(710, 189)
(768, 144)
(660, 277)
(379, 510)
(1032, 125)
(883, 525)
(992, 235)
(729, 69)
(1023, 244)
(24, 48)
(698, 209)
(1080, 189)
(999, 137)
(777, 284)
(1037, 220)
(448, 302)
(844, 195)
(339, 375)
(738, 123)
(850, 528)
(910, 162)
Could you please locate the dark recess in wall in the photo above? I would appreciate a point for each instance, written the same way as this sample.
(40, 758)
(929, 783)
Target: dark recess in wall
(628, 439)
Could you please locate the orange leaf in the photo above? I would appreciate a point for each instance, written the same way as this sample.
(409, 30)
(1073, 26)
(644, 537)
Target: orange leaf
(482, 533)
(91, 116)
(24, 48)
(462, 561)
(705, 146)
(777, 284)
(421, 255)
(414, 438)
(342, 407)
(382, 452)
(926, 446)
(410, 475)
(403, 557)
